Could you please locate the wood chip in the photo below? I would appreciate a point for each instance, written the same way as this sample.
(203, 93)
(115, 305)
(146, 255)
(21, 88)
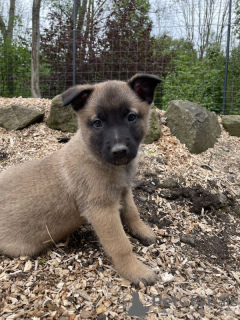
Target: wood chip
(28, 266)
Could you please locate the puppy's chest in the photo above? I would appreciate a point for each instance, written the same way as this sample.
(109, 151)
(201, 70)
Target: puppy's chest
(101, 191)
(115, 181)
(120, 182)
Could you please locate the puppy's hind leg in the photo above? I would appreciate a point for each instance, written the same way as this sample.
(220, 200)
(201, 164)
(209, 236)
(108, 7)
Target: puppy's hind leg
(130, 217)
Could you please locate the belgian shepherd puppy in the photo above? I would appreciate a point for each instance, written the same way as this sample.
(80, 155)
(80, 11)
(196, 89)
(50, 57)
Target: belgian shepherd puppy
(88, 180)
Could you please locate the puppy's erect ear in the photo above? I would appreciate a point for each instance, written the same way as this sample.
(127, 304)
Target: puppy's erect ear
(77, 96)
(144, 86)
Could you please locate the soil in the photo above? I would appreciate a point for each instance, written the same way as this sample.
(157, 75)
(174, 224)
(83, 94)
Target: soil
(199, 200)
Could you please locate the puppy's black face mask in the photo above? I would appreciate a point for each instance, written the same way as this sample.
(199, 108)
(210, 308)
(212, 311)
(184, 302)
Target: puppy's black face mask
(116, 133)
(113, 115)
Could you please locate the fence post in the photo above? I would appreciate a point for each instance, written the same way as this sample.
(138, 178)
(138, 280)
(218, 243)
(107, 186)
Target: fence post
(74, 40)
(227, 57)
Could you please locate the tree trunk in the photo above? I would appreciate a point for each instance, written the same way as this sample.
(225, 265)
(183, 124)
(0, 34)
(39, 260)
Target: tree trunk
(82, 13)
(35, 88)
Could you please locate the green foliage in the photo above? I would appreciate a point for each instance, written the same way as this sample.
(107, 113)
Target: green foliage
(196, 80)
(15, 60)
(233, 92)
(115, 44)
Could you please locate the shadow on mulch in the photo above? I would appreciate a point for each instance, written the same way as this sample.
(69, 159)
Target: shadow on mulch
(84, 238)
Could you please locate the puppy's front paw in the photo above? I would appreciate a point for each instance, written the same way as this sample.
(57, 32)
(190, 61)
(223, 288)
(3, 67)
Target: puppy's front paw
(147, 239)
(136, 272)
(148, 278)
(144, 234)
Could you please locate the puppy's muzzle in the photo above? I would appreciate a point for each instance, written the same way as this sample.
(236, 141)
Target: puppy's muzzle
(119, 154)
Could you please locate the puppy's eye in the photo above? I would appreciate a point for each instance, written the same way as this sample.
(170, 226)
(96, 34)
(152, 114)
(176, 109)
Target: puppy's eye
(132, 117)
(97, 123)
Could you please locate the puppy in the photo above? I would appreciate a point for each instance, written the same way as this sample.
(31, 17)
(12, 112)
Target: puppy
(88, 180)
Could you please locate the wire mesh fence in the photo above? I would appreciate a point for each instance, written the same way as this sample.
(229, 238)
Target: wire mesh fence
(184, 42)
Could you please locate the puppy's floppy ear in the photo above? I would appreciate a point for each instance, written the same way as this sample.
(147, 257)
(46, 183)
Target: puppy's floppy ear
(77, 96)
(144, 86)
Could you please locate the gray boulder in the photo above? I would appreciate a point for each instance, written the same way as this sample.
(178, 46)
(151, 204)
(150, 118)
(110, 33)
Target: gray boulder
(231, 124)
(62, 118)
(154, 130)
(18, 117)
(193, 125)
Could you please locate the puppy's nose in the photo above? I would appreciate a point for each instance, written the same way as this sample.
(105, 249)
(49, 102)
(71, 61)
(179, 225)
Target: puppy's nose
(119, 150)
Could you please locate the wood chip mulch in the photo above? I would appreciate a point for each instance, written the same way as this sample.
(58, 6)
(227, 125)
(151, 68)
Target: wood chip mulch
(191, 201)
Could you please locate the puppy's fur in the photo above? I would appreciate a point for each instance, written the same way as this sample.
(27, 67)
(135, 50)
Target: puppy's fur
(88, 180)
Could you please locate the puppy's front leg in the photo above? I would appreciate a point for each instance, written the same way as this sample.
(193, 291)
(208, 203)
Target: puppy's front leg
(107, 225)
(131, 218)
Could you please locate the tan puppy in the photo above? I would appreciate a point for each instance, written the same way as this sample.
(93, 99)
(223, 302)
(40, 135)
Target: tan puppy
(88, 180)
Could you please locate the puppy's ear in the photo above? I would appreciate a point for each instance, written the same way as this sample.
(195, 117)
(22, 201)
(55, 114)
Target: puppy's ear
(77, 96)
(144, 86)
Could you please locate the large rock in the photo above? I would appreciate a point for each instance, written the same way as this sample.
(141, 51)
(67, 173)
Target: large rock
(193, 125)
(231, 124)
(18, 117)
(62, 118)
(154, 130)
